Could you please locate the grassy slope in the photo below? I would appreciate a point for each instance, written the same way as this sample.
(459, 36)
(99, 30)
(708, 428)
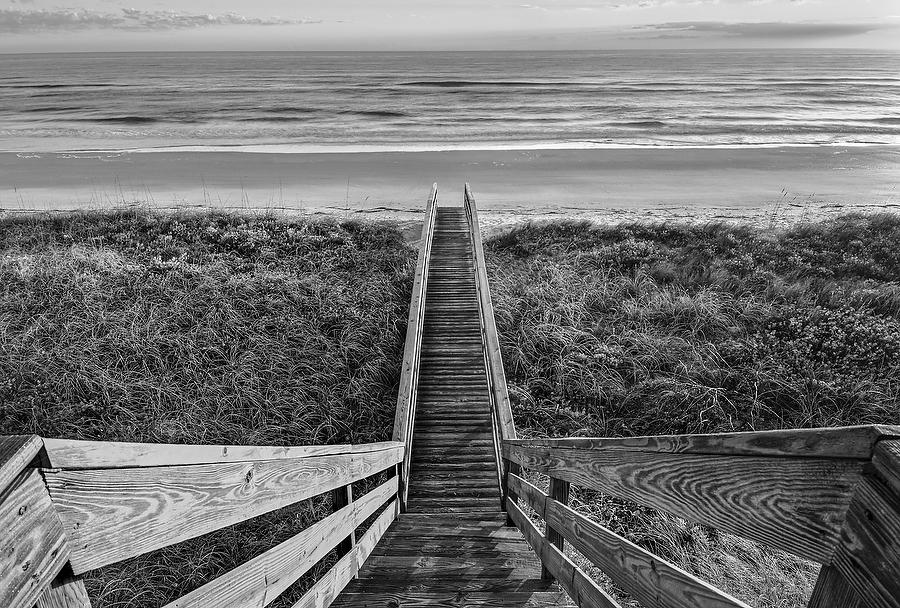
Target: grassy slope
(204, 328)
(643, 329)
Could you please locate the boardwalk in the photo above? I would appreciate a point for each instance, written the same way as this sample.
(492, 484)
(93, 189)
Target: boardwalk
(452, 547)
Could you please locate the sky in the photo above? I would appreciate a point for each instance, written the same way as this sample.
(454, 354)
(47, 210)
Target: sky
(28, 26)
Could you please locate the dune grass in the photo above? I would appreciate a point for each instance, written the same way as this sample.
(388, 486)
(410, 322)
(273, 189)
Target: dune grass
(218, 328)
(653, 329)
(201, 328)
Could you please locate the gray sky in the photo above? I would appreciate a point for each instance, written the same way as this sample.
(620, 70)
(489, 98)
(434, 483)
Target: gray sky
(115, 25)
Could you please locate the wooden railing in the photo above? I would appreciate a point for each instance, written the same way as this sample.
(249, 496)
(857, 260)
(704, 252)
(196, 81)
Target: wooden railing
(827, 495)
(68, 507)
(503, 426)
(405, 416)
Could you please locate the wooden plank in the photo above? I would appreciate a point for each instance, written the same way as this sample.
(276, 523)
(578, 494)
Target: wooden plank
(580, 587)
(33, 545)
(493, 356)
(868, 556)
(64, 592)
(114, 514)
(16, 451)
(794, 504)
(652, 581)
(75, 454)
(842, 442)
(833, 591)
(559, 491)
(259, 581)
(887, 462)
(404, 418)
(327, 588)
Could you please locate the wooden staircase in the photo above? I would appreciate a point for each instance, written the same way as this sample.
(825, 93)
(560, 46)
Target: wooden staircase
(452, 546)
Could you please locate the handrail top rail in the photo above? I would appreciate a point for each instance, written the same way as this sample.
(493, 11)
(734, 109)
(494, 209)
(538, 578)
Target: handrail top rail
(851, 442)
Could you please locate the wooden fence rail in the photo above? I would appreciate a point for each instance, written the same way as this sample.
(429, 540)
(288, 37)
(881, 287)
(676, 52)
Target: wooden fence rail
(68, 507)
(501, 412)
(405, 416)
(828, 495)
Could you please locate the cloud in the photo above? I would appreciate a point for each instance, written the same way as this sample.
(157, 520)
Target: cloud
(764, 30)
(20, 21)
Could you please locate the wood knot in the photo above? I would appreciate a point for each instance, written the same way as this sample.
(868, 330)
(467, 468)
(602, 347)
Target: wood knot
(23, 509)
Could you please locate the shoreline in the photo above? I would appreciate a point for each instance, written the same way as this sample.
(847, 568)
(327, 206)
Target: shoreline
(690, 184)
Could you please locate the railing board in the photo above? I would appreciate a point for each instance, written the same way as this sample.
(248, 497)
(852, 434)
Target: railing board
(652, 581)
(261, 580)
(404, 417)
(868, 556)
(327, 588)
(114, 514)
(78, 454)
(493, 357)
(16, 451)
(32, 542)
(793, 504)
(887, 462)
(580, 587)
(65, 592)
(844, 443)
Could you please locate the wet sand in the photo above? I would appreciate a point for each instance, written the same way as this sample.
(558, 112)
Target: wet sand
(778, 185)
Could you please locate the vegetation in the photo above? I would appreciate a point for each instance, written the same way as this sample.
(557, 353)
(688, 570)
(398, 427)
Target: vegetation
(216, 328)
(200, 328)
(655, 329)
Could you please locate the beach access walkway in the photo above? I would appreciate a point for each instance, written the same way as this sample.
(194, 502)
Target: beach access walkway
(455, 511)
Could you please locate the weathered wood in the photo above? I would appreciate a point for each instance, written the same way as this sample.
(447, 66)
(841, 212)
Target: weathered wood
(855, 442)
(64, 592)
(340, 498)
(16, 451)
(327, 588)
(262, 579)
(868, 556)
(833, 591)
(114, 514)
(76, 454)
(33, 546)
(886, 460)
(652, 581)
(580, 587)
(794, 504)
(500, 394)
(559, 491)
(404, 417)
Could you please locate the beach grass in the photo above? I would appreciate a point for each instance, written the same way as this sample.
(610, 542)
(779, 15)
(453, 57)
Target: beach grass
(201, 328)
(243, 329)
(644, 329)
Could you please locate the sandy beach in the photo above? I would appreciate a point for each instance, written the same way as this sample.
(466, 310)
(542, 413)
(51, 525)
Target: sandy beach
(779, 185)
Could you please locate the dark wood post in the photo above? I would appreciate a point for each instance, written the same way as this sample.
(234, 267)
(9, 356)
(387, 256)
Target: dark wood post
(509, 467)
(340, 498)
(559, 491)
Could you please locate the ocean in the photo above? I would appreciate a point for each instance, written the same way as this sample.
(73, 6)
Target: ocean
(356, 102)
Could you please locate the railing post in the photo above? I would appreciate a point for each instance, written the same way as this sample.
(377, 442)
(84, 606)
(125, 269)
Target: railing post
(509, 467)
(340, 498)
(559, 491)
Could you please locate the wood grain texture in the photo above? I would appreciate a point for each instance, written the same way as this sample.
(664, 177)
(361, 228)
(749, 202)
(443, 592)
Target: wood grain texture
(64, 592)
(868, 556)
(16, 451)
(833, 591)
(404, 417)
(559, 491)
(580, 587)
(327, 588)
(76, 454)
(261, 580)
(794, 504)
(114, 514)
(340, 498)
(33, 546)
(887, 462)
(854, 442)
(652, 581)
